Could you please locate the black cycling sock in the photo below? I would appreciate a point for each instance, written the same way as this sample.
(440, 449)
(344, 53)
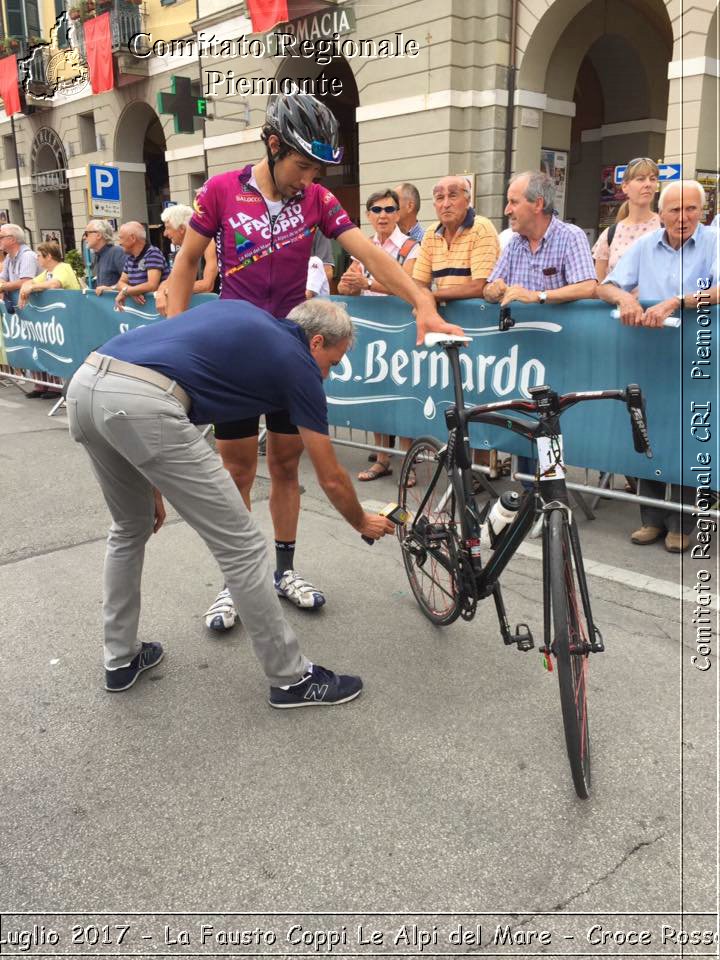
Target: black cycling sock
(284, 555)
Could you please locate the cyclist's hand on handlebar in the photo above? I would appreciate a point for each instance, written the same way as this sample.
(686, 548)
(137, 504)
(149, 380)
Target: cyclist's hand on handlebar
(374, 526)
(428, 320)
(656, 315)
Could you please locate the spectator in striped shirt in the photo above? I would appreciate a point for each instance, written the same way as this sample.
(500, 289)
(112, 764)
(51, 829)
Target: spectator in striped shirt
(547, 260)
(145, 265)
(458, 253)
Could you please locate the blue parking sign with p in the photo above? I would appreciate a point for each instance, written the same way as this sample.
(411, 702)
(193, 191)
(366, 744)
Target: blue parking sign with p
(104, 183)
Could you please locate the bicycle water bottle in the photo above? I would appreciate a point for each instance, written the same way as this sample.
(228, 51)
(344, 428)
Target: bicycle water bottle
(502, 513)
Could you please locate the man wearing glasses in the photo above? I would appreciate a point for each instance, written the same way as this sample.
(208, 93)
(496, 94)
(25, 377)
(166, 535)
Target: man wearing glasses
(263, 218)
(20, 265)
(109, 259)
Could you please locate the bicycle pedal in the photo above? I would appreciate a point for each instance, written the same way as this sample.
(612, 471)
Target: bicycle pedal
(523, 637)
(598, 645)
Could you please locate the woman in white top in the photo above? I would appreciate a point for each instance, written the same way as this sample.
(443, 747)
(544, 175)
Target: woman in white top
(383, 209)
(635, 217)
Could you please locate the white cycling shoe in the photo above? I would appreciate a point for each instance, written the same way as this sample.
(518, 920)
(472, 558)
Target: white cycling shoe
(222, 615)
(298, 591)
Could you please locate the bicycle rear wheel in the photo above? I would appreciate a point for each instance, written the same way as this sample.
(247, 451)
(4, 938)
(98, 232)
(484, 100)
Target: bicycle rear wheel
(570, 634)
(431, 545)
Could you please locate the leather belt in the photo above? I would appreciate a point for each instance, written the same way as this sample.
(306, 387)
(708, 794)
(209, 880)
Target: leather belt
(145, 374)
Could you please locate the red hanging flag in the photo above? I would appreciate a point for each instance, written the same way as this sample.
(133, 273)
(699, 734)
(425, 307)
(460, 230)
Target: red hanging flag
(265, 14)
(98, 50)
(9, 87)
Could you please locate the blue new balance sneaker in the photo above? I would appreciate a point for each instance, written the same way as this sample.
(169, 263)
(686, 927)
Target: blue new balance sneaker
(124, 677)
(318, 688)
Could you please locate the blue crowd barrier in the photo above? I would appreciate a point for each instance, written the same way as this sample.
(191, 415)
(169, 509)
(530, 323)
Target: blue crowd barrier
(57, 329)
(387, 384)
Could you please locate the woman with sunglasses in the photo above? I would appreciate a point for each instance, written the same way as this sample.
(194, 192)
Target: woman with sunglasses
(383, 210)
(635, 217)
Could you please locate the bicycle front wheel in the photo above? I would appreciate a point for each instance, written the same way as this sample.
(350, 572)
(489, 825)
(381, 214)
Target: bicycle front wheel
(430, 542)
(570, 639)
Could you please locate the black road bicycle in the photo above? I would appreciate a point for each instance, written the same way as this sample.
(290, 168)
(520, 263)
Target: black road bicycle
(443, 535)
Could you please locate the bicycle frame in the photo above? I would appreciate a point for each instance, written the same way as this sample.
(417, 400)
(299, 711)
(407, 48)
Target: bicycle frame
(550, 492)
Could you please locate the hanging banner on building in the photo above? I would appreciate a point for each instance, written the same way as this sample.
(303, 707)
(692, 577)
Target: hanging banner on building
(98, 50)
(555, 163)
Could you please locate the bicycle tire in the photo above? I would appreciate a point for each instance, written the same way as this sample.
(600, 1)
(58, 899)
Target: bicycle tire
(434, 586)
(569, 621)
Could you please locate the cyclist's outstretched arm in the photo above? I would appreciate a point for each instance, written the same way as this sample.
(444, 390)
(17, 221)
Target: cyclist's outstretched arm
(182, 276)
(394, 279)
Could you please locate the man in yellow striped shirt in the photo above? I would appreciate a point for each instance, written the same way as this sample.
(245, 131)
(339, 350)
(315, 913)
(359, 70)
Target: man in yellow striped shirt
(458, 253)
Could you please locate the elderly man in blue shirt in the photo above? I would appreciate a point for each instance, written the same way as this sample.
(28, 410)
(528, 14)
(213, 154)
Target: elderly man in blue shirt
(669, 267)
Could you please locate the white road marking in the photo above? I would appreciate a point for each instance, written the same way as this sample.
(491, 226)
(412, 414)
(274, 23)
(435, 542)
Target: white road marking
(628, 578)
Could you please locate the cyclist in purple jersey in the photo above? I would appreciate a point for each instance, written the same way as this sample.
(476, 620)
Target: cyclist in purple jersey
(263, 254)
(264, 218)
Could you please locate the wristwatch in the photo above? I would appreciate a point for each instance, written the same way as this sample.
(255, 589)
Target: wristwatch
(542, 296)
(124, 290)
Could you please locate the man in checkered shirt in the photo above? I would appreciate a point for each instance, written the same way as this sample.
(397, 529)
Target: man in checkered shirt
(547, 261)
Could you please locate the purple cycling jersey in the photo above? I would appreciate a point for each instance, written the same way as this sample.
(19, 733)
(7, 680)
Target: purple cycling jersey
(260, 260)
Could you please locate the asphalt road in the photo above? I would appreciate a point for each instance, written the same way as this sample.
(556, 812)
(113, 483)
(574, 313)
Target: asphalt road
(444, 789)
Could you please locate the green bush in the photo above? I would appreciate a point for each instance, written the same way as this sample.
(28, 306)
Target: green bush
(74, 258)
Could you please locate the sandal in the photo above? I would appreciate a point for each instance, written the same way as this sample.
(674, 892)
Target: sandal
(377, 470)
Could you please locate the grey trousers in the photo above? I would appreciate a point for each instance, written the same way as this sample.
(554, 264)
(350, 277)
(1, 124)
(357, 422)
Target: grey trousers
(138, 436)
(670, 520)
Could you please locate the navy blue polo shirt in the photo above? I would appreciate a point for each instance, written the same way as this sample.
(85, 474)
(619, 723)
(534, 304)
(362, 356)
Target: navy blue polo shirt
(234, 360)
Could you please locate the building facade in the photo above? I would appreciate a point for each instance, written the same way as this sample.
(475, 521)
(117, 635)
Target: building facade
(480, 87)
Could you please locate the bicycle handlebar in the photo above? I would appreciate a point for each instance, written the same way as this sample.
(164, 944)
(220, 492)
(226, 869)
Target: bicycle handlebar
(632, 396)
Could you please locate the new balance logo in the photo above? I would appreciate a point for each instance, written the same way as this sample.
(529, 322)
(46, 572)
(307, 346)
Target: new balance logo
(316, 691)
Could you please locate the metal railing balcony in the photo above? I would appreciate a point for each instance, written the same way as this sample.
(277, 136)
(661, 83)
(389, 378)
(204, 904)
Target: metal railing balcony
(126, 19)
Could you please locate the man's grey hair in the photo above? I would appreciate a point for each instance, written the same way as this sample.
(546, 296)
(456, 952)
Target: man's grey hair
(103, 228)
(177, 216)
(15, 231)
(135, 227)
(684, 185)
(329, 318)
(539, 185)
(411, 192)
